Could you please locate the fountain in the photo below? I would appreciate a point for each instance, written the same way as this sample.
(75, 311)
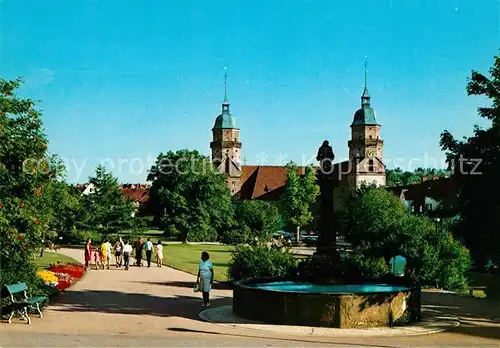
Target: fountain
(323, 302)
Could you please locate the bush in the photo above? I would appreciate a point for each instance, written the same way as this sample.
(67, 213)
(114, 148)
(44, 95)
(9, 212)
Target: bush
(259, 261)
(365, 267)
(81, 236)
(379, 228)
(237, 235)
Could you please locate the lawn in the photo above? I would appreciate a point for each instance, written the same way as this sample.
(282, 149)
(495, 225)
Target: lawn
(484, 285)
(186, 257)
(50, 258)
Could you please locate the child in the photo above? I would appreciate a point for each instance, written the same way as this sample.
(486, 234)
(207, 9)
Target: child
(159, 254)
(97, 258)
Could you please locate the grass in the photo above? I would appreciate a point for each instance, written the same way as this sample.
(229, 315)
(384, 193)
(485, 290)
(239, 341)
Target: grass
(484, 285)
(186, 257)
(49, 258)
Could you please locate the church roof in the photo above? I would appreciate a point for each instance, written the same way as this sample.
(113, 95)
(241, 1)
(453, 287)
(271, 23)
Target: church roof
(364, 116)
(225, 120)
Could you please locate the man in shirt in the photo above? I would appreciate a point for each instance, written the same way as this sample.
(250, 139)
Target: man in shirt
(149, 251)
(127, 250)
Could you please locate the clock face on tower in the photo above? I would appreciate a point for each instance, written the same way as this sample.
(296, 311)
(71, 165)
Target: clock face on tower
(370, 153)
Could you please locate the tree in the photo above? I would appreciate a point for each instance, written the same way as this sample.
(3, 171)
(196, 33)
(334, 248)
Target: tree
(253, 219)
(475, 164)
(60, 202)
(24, 170)
(378, 227)
(189, 197)
(397, 177)
(107, 209)
(300, 193)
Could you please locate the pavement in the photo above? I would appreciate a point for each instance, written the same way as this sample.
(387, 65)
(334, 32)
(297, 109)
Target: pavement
(156, 307)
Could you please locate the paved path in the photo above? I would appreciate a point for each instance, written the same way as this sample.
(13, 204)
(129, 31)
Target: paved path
(157, 307)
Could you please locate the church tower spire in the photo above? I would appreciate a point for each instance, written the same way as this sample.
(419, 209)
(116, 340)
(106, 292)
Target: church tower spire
(225, 103)
(365, 97)
(226, 145)
(366, 145)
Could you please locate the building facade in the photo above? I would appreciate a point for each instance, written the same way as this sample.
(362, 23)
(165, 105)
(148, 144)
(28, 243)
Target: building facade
(226, 147)
(365, 163)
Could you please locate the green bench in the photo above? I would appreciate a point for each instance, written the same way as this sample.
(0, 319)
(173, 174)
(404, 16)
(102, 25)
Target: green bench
(21, 302)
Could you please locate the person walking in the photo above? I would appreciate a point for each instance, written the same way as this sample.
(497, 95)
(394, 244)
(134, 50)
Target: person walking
(127, 251)
(149, 251)
(205, 278)
(109, 248)
(118, 253)
(138, 252)
(88, 254)
(103, 253)
(159, 254)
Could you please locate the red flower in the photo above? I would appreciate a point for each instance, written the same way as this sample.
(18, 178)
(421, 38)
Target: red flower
(22, 249)
(1, 205)
(36, 222)
(21, 204)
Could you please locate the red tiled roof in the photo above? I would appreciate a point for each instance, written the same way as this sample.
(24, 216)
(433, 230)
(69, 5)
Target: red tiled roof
(260, 181)
(136, 195)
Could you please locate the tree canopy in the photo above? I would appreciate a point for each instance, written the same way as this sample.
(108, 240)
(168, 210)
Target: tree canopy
(25, 171)
(475, 164)
(253, 219)
(398, 177)
(300, 193)
(379, 227)
(188, 197)
(106, 209)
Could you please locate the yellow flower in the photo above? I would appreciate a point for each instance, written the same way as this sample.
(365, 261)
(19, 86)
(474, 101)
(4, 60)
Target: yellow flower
(47, 276)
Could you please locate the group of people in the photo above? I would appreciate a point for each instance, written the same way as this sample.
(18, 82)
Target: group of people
(122, 251)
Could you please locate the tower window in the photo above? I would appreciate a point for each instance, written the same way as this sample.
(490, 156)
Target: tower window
(371, 165)
(370, 136)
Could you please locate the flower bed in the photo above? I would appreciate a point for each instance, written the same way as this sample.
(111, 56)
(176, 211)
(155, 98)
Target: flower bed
(61, 275)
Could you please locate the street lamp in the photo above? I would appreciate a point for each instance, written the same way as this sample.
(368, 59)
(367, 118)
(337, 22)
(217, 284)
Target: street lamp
(438, 232)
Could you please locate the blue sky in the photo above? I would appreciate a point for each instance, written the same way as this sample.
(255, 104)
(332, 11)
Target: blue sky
(121, 81)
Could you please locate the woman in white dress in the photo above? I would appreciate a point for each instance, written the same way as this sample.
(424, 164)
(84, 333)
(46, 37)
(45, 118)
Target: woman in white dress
(205, 278)
(159, 254)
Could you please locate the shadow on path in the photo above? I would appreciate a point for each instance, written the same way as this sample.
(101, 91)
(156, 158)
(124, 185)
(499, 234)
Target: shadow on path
(189, 285)
(478, 317)
(105, 301)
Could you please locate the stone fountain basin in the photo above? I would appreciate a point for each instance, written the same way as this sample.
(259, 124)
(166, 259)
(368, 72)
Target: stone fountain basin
(279, 301)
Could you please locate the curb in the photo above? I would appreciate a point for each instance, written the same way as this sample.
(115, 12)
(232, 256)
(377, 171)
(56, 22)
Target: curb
(435, 323)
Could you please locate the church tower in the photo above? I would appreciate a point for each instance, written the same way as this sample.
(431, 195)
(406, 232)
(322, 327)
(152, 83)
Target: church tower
(226, 145)
(365, 146)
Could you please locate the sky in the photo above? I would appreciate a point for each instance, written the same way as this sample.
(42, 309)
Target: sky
(120, 81)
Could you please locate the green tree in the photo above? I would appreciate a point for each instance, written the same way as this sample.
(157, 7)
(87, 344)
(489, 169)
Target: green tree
(300, 193)
(397, 177)
(107, 209)
(475, 163)
(379, 227)
(253, 218)
(60, 202)
(188, 197)
(24, 170)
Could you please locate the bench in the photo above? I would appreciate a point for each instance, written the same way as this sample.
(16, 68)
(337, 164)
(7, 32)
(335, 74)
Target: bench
(21, 302)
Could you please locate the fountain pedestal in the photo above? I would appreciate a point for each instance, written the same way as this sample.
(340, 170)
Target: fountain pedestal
(326, 180)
